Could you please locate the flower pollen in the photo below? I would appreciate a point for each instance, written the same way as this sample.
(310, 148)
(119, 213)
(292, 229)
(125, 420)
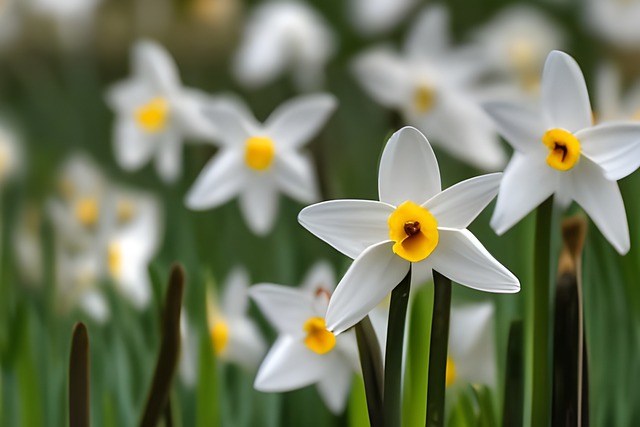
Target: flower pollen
(564, 149)
(219, 336)
(414, 231)
(86, 211)
(259, 152)
(153, 116)
(318, 339)
(423, 98)
(451, 373)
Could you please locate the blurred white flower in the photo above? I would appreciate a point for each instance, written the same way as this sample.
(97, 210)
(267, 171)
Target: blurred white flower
(256, 161)
(234, 335)
(515, 44)
(471, 358)
(73, 19)
(371, 17)
(559, 152)
(431, 86)
(414, 227)
(155, 113)
(615, 21)
(27, 246)
(614, 103)
(306, 352)
(284, 36)
(189, 355)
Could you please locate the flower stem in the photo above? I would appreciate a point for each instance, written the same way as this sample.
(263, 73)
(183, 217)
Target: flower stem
(540, 406)
(392, 395)
(438, 350)
(371, 362)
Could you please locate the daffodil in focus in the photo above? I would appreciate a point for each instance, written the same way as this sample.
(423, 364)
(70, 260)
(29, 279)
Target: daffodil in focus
(432, 85)
(234, 335)
(514, 46)
(371, 17)
(306, 352)
(471, 356)
(154, 113)
(415, 226)
(283, 36)
(257, 161)
(559, 152)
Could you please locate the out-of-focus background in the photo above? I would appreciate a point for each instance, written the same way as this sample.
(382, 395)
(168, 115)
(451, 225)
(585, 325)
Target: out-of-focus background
(59, 57)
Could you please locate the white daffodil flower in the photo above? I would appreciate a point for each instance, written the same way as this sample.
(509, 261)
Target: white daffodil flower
(73, 19)
(431, 86)
(612, 102)
(234, 335)
(372, 17)
(515, 44)
(615, 21)
(188, 365)
(282, 36)
(415, 226)
(154, 113)
(559, 152)
(257, 161)
(471, 357)
(305, 352)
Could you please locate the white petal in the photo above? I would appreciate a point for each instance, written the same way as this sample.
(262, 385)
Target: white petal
(376, 16)
(295, 175)
(350, 226)
(602, 201)
(384, 76)
(369, 279)
(527, 182)
(296, 121)
(615, 147)
(287, 309)
(232, 122)
(95, 305)
(169, 157)
(521, 127)
(126, 95)
(188, 113)
(334, 387)
(246, 346)
(259, 203)
(459, 205)
(462, 258)
(235, 297)
(152, 61)
(320, 275)
(429, 35)
(408, 169)
(290, 365)
(220, 180)
(565, 100)
(132, 146)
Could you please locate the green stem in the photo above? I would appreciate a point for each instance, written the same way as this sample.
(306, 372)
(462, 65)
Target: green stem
(438, 350)
(371, 362)
(392, 395)
(79, 408)
(541, 387)
(514, 378)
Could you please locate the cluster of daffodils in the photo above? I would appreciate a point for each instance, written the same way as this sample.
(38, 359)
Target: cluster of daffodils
(104, 234)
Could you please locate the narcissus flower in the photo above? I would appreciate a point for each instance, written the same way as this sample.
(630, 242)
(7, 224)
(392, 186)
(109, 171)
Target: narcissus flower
(615, 21)
(284, 36)
(559, 152)
(432, 86)
(372, 17)
(234, 336)
(414, 226)
(154, 113)
(613, 102)
(305, 352)
(257, 161)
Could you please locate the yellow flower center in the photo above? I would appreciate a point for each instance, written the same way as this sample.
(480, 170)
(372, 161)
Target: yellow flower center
(451, 374)
(259, 152)
(423, 98)
(318, 339)
(564, 149)
(522, 54)
(220, 336)
(153, 116)
(86, 211)
(415, 231)
(114, 260)
(125, 210)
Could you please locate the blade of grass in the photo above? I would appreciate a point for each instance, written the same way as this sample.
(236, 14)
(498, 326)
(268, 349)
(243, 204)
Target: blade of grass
(371, 362)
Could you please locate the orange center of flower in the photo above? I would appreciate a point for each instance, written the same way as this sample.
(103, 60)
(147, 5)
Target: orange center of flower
(423, 98)
(318, 339)
(153, 116)
(564, 149)
(219, 336)
(451, 373)
(259, 152)
(414, 231)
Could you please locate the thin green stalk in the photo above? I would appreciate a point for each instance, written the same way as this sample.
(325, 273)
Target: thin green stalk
(371, 362)
(392, 395)
(79, 408)
(512, 415)
(541, 391)
(438, 350)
